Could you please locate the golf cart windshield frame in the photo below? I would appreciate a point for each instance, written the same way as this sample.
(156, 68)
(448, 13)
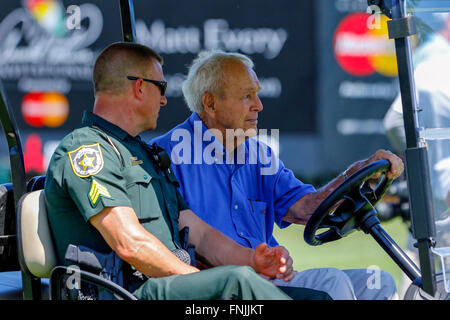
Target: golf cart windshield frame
(401, 28)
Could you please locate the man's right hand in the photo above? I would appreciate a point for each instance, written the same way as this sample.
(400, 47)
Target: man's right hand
(274, 262)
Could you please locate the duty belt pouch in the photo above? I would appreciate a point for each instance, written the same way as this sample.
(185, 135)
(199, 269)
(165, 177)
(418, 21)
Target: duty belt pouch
(108, 266)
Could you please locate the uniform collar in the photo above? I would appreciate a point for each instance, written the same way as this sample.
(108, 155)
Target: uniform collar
(90, 119)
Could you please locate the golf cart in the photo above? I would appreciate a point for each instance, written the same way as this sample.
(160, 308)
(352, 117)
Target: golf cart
(26, 243)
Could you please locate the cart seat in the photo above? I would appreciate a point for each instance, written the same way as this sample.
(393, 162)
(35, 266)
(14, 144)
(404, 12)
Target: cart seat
(11, 281)
(35, 242)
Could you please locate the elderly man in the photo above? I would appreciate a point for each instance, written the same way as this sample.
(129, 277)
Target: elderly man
(108, 191)
(212, 158)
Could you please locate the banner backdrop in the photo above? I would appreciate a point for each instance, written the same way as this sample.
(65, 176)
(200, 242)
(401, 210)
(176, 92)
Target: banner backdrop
(357, 80)
(48, 47)
(327, 71)
(277, 35)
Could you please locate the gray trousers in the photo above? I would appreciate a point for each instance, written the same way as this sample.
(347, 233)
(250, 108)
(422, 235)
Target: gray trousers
(354, 284)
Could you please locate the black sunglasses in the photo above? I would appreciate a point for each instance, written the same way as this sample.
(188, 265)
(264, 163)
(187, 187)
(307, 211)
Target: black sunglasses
(162, 85)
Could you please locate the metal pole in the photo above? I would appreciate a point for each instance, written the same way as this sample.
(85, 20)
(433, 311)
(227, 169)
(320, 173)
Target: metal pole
(395, 252)
(15, 149)
(417, 167)
(31, 286)
(128, 21)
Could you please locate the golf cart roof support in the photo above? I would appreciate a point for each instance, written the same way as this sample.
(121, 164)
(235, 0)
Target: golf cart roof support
(14, 148)
(128, 21)
(31, 286)
(401, 27)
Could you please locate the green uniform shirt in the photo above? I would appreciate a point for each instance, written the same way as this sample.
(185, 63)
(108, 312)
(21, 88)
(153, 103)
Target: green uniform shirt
(100, 165)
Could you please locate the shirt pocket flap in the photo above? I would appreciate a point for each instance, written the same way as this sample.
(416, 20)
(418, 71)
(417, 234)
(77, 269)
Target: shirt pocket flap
(135, 175)
(142, 194)
(259, 207)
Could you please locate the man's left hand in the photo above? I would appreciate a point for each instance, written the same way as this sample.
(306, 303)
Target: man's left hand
(397, 166)
(395, 169)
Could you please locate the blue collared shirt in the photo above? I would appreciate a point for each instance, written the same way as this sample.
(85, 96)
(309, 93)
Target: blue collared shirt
(242, 197)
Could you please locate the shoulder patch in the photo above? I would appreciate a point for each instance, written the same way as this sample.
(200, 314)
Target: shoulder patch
(86, 160)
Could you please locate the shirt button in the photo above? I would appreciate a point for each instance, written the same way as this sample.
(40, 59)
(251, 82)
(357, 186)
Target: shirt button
(145, 176)
(241, 233)
(236, 207)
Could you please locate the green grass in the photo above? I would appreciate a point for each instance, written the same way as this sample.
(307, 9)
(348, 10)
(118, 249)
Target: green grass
(357, 250)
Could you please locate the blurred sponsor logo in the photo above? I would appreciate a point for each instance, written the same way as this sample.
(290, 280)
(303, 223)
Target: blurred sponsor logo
(31, 49)
(361, 49)
(271, 87)
(362, 90)
(348, 127)
(350, 5)
(38, 152)
(216, 33)
(33, 157)
(45, 109)
(49, 14)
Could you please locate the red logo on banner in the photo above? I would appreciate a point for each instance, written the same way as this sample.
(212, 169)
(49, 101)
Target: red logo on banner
(45, 109)
(33, 156)
(362, 46)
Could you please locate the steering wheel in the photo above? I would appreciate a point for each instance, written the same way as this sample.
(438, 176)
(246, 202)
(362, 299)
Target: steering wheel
(349, 205)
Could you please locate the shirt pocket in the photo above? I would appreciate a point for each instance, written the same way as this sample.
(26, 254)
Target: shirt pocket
(259, 209)
(142, 194)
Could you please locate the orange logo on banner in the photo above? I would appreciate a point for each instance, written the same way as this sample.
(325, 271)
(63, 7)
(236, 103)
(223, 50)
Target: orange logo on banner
(49, 109)
(362, 46)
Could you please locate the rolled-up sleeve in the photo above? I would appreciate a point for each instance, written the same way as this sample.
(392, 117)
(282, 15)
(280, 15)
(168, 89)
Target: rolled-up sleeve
(287, 190)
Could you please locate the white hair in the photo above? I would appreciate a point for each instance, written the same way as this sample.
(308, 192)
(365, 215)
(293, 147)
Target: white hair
(205, 75)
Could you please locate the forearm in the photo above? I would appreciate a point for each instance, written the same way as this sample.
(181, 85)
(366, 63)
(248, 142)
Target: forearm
(122, 231)
(216, 249)
(211, 245)
(302, 209)
(154, 259)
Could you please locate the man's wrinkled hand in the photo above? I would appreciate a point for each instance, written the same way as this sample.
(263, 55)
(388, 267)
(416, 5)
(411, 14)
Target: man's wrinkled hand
(396, 168)
(273, 262)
